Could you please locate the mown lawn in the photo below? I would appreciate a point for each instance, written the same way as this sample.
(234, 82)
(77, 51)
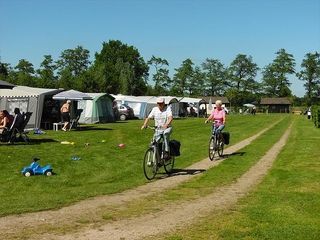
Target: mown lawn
(104, 168)
(285, 206)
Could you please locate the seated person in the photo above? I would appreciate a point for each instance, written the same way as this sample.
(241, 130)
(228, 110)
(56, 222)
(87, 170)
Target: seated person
(4, 121)
(18, 119)
(9, 116)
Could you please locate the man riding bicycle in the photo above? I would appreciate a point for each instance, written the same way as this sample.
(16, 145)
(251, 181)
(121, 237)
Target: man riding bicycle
(162, 115)
(218, 115)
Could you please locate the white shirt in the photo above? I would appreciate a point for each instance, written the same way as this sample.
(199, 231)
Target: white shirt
(160, 117)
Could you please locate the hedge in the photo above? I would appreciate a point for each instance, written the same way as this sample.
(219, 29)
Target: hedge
(315, 111)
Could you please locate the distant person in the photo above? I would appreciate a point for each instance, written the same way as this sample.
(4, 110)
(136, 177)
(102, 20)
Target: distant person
(65, 113)
(309, 113)
(254, 110)
(163, 118)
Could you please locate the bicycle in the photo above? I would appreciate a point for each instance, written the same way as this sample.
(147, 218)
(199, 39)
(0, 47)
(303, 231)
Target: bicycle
(216, 144)
(154, 157)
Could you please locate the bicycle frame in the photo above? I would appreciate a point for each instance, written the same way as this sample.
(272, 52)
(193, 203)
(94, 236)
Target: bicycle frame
(216, 144)
(156, 148)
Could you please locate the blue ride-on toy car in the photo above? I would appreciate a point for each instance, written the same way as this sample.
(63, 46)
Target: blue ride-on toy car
(35, 169)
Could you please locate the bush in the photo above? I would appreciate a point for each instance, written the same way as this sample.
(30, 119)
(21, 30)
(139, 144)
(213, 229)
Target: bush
(315, 111)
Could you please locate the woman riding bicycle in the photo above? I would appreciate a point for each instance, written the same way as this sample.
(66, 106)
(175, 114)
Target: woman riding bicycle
(162, 115)
(218, 116)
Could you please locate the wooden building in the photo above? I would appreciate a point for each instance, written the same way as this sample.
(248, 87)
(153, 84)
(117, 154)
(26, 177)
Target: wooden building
(276, 105)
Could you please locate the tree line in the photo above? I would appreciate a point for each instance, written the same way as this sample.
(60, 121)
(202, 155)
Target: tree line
(119, 68)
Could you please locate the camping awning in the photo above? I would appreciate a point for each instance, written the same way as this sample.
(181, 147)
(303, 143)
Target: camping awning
(6, 85)
(71, 95)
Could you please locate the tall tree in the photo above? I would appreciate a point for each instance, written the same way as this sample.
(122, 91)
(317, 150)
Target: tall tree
(72, 64)
(276, 73)
(196, 86)
(215, 77)
(25, 73)
(183, 78)
(75, 60)
(119, 68)
(47, 78)
(242, 72)
(4, 72)
(310, 73)
(161, 76)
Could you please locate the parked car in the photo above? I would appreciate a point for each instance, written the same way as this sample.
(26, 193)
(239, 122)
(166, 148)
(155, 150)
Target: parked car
(125, 112)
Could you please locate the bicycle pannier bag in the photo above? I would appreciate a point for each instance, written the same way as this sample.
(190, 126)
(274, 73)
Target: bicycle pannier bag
(174, 147)
(226, 137)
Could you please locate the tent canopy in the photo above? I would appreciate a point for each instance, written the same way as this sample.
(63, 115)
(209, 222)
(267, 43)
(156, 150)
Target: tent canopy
(72, 95)
(6, 85)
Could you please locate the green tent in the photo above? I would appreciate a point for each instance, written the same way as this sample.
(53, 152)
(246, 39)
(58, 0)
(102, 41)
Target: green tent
(97, 110)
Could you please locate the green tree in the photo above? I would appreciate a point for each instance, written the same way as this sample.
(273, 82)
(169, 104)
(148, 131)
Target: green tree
(196, 84)
(215, 77)
(75, 60)
(183, 77)
(72, 64)
(275, 80)
(310, 73)
(161, 76)
(242, 72)
(4, 72)
(25, 73)
(119, 68)
(47, 79)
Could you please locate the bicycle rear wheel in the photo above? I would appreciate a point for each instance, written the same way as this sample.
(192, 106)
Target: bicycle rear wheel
(168, 165)
(150, 167)
(212, 147)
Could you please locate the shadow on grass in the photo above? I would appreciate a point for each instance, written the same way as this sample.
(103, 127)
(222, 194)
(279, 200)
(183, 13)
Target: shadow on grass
(87, 128)
(234, 154)
(31, 142)
(177, 172)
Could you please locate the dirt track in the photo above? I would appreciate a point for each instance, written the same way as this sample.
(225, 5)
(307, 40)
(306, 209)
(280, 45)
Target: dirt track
(147, 224)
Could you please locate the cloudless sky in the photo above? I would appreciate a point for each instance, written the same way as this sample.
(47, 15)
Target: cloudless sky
(170, 29)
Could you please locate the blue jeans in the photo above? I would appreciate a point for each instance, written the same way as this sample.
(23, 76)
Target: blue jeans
(217, 128)
(166, 137)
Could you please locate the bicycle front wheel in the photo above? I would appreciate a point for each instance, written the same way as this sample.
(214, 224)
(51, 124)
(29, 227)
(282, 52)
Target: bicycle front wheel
(168, 165)
(150, 167)
(212, 147)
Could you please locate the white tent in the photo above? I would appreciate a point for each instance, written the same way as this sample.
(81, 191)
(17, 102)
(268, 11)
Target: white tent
(27, 99)
(99, 109)
(142, 105)
(192, 102)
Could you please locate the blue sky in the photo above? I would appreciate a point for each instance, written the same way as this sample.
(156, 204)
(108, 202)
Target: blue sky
(171, 29)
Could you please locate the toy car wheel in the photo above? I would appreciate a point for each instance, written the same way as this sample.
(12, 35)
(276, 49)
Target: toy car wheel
(48, 173)
(123, 117)
(27, 174)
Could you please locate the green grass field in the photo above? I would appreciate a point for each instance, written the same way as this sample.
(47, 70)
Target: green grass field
(104, 168)
(285, 206)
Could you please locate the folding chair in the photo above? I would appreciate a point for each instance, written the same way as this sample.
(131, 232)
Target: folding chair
(17, 130)
(75, 122)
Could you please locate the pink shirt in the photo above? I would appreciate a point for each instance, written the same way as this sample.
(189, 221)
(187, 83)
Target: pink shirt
(218, 116)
